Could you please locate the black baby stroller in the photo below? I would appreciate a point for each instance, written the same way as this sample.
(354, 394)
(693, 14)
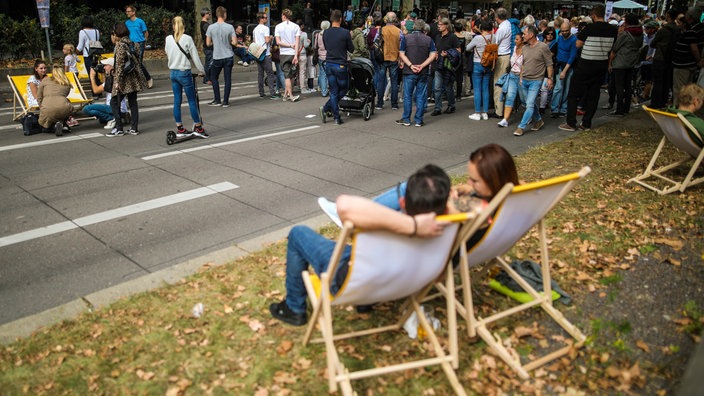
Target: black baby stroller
(361, 94)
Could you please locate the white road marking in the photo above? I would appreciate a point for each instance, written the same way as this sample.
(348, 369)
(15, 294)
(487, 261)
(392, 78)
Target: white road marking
(214, 145)
(117, 213)
(51, 141)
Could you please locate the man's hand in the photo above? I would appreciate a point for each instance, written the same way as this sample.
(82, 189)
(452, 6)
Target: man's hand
(563, 75)
(92, 73)
(427, 226)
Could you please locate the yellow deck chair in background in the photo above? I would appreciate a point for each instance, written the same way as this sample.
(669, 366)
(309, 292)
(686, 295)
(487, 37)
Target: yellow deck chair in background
(676, 129)
(76, 96)
(517, 211)
(81, 64)
(385, 267)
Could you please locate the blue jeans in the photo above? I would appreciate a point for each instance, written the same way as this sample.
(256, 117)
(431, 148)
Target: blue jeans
(559, 92)
(338, 81)
(444, 82)
(415, 89)
(392, 67)
(243, 54)
(307, 247)
(513, 90)
(390, 197)
(102, 112)
(481, 77)
(531, 89)
(280, 78)
(218, 66)
(182, 80)
(322, 79)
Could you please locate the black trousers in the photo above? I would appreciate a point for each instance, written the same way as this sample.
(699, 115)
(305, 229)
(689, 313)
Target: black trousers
(662, 84)
(624, 90)
(586, 84)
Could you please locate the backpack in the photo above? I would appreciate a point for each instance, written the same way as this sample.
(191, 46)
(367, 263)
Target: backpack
(95, 47)
(491, 54)
(131, 60)
(378, 47)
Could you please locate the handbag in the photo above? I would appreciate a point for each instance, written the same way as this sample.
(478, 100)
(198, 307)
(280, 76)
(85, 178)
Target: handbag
(130, 64)
(30, 124)
(257, 51)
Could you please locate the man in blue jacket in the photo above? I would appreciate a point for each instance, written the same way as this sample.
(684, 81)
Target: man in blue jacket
(566, 54)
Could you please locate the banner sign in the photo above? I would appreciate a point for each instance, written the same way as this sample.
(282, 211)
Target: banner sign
(43, 9)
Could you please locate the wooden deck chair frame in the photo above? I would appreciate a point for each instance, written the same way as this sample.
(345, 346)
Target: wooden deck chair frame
(507, 228)
(674, 128)
(322, 301)
(77, 96)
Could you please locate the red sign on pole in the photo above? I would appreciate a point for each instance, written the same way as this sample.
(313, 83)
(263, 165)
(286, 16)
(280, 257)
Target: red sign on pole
(43, 9)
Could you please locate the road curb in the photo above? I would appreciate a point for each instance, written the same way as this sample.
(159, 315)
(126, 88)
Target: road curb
(21, 328)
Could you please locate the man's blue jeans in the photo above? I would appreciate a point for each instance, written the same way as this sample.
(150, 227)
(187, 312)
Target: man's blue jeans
(102, 112)
(280, 78)
(307, 247)
(208, 63)
(183, 81)
(244, 55)
(219, 65)
(392, 67)
(531, 89)
(481, 77)
(338, 81)
(323, 79)
(415, 89)
(559, 93)
(444, 82)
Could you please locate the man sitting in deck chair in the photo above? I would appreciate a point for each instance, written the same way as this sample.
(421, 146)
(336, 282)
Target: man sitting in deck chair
(426, 196)
(690, 100)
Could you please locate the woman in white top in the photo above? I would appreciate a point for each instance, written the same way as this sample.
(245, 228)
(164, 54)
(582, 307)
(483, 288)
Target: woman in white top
(181, 77)
(514, 77)
(87, 34)
(481, 76)
(34, 81)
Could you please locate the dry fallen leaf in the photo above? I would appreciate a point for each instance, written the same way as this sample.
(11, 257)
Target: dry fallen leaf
(642, 345)
(284, 347)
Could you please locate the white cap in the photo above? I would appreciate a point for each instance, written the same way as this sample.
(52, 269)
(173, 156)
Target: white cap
(479, 12)
(108, 62)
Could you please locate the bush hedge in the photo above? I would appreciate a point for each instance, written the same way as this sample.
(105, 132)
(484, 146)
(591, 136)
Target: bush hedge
(25, 38)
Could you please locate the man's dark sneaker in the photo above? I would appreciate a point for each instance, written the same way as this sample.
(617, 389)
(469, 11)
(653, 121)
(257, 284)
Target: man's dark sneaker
(436, 113)
(584, 128)
(568, 127)
(616, 114)
(225, 104)
(403, 122)
(214, 103)
(275, 97)
(420, 124)
(450, 110)
(394, 107)
(494, 115)
(59, 129)
(132, 132)
(323, 114)
(338, 121)
(282, 312)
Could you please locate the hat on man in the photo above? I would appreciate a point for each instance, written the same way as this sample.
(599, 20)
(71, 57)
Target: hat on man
(652, 25)
(479, 12)
(108, 62)
(613, 22)
(414, 15)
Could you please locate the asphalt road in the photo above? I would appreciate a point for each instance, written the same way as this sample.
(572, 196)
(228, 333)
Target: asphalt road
(85, 212)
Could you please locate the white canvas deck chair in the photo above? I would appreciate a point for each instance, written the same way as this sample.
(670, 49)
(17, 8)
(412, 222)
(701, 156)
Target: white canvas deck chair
(76, 96)
(677, 131)
(515, 212)
(385, 267)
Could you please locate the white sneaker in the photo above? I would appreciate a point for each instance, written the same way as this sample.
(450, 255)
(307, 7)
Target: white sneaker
(245, 64)
(503, 123)
(114, 133)
(485, 116)
(475, 117)
(110, 124)
(330, 209)
(239, 62)
(294, 98)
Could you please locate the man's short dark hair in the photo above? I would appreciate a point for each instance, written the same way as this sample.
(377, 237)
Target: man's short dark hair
(336, 16)
(532, 29)
(502, 14)
(427, 191)
(599, 11)
(204, 11)
(419, 25)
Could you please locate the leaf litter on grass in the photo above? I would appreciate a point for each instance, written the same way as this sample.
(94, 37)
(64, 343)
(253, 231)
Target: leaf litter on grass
(630, 259)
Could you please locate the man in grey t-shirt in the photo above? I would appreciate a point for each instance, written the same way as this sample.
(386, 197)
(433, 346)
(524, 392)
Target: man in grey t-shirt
(222, 37)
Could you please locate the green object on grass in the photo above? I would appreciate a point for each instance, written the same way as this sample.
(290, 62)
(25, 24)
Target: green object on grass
(521, 297)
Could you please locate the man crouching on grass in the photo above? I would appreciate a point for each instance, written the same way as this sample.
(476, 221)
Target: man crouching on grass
(426, 196)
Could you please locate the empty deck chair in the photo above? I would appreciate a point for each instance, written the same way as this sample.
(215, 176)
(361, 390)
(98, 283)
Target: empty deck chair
(680, 133)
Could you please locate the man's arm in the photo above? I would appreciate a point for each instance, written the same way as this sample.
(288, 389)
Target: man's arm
(369, 215)
(208, 41)
(97, 89)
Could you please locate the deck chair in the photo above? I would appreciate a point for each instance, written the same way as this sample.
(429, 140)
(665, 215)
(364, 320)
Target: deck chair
(76, 96)
(681, 134)
(515, 212)
(385, 267)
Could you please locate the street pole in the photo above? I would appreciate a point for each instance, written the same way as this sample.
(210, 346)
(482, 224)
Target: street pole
(48, 44)
(43, 10)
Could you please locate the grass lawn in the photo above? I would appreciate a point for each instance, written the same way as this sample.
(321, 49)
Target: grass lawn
(630, 259)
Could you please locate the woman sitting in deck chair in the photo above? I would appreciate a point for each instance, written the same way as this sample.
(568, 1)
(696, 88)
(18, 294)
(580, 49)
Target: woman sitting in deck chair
(54, 106)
